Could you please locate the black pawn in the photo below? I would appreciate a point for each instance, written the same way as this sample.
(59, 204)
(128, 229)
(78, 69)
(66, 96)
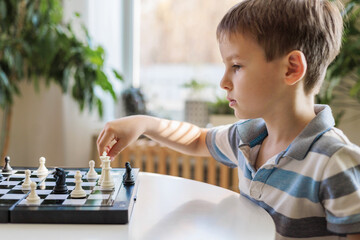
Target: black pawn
(128, 178)
(7, 167)
(60, 178)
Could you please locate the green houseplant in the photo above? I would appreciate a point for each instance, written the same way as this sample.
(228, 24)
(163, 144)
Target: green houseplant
(342, 82)
(35, 46)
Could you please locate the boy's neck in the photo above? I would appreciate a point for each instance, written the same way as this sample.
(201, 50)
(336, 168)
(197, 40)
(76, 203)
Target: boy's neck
(284, 123)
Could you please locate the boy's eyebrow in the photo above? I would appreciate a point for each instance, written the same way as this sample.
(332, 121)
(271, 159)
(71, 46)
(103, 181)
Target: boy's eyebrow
(232, 57)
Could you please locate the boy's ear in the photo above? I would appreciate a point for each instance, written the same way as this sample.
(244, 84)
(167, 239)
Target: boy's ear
(296, 67)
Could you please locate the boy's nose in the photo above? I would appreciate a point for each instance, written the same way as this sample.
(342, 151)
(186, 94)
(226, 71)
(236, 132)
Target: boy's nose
(225, 83)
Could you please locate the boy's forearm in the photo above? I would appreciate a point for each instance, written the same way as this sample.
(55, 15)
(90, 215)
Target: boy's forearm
(180, 136)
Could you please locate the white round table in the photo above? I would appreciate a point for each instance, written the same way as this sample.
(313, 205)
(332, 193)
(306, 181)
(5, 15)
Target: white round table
(167, 208)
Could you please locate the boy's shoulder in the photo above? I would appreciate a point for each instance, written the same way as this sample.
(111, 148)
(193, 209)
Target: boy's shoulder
(334, 141)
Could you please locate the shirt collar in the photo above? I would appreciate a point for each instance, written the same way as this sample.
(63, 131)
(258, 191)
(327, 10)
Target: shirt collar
(253, 132)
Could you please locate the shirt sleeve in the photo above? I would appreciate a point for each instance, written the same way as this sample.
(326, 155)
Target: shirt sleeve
(340, 191)
(223, 143)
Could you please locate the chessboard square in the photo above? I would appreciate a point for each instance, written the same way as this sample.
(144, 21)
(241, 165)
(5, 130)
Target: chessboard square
(9, 173)
(70, 180)
(50, 184)
(91, 184)
(76, 202)
(9, 183)
(95, 202)
(97, 191)
(12, 178)
(57, 196)
(70, 173)
(17, 187)
(17, 191)
(13, 196)
(7, 202)
(70, 188)
(4, 191)
(25, 202)
(88, 192)
(99, 196)
(48, 187)
(44, 192)
(52, 202)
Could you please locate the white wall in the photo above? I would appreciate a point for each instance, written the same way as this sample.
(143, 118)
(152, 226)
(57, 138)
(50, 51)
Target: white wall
(37, 127)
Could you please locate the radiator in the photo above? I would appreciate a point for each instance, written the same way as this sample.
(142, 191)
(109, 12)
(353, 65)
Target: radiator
(150, 156)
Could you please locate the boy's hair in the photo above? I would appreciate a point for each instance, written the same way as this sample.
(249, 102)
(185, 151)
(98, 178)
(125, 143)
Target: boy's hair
(313, 27)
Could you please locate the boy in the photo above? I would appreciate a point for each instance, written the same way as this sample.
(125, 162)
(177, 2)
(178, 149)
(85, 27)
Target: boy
(290, 158)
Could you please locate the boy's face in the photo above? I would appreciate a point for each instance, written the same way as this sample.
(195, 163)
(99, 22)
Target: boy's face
(254, 86)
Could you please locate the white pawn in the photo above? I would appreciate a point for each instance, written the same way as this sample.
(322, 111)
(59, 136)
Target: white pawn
(27, 181)
(42, 170)
(92, 174)
(33, 198)
(78, 192)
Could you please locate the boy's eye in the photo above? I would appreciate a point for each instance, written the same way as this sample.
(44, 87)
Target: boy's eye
(236, 67)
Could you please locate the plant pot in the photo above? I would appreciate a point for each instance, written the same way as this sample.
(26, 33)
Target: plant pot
(222, 119)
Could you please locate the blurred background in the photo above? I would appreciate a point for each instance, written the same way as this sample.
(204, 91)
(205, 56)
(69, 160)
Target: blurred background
(156, 57)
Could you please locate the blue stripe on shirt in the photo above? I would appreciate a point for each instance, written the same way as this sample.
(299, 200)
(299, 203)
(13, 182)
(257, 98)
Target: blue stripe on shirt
(294, 184)
(215, 151)
(342, 220)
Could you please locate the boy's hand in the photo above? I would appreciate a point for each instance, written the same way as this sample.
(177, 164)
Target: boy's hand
(118, 134)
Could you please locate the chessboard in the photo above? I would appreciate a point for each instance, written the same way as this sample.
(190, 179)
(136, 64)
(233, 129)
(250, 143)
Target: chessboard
(98, 206)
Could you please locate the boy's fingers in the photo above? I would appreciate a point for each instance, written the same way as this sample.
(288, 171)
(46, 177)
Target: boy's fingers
(104, 141)
(115, 149)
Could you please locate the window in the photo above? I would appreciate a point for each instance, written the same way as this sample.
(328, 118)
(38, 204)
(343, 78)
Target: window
(159, 45)
(177, 44)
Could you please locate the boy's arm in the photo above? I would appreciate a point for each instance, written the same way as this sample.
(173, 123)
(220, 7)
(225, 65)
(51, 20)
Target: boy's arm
(353, 237)
(180, 136)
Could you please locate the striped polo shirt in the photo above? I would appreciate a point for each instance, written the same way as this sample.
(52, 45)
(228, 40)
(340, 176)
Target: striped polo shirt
(311, 190)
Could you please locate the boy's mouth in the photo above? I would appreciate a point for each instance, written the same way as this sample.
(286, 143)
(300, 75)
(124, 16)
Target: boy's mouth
(232, 102)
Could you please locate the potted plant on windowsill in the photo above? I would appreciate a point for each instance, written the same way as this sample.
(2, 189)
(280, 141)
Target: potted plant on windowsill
(196, 109)
(221, 113)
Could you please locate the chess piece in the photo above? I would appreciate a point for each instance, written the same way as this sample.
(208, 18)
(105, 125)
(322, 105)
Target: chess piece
(7, 167)
(128, 178)
(33, 198)
(27, 181)
(43, 183)
(42, 170)
(78, 191)
(107, 182)
(92, 174)
(60, 178)
(102, 158)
